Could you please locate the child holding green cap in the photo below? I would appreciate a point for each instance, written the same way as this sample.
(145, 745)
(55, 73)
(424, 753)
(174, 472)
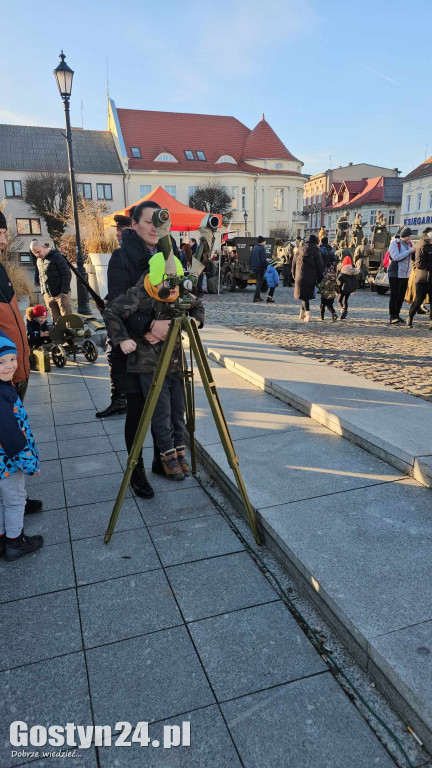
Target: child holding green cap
(143, 355)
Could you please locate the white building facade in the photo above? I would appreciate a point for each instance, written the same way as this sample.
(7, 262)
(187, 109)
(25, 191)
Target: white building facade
(416, 210)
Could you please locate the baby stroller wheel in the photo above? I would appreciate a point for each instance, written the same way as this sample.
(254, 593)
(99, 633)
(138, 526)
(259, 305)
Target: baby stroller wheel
(59, 356)
(90, 350)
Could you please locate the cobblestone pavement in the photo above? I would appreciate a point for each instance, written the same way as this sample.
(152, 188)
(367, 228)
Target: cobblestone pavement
(364, 343)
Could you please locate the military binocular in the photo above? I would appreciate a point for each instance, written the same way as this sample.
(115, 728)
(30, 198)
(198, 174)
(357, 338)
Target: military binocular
(160, 216)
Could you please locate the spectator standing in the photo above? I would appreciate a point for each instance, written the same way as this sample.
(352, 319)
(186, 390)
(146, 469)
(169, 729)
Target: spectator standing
(327, 253)
(258, 263)
(400, 250)
(194, 246)
(307, 272)
(361, 261)
(272, 278)
(54, 278)
(347, 283)
(423, 276)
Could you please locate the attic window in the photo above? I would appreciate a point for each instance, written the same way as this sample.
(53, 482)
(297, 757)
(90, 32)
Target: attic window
(165, 157)
(279, 166)
(226, 159)
(135, 151)
(200, 154)
(189, 154)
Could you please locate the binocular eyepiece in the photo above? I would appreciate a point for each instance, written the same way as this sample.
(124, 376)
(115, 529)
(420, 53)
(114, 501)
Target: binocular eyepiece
(160, 216)
(213, 222)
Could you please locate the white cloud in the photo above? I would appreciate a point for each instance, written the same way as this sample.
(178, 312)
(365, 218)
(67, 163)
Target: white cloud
(380, 74)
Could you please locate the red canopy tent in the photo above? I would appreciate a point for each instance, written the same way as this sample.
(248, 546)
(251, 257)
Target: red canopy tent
(183, 218)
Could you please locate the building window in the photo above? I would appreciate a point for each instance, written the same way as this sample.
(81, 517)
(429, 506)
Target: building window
(191, 191)
(226, 159)
(320, 198)
(335, 199)
(279, 166)
(171, 190)
(430, 199)
(278, 200)
(408, 203)
(243, 198)
(145, 189)
(200, 154)
(25, 258)
(189, 154)
(419, 201)
(104, 191)
(372, 217)
(13, 189)
(28, 226)
(346, 196)
(234, 203)
(84, 190)
(136, 152)
(165, 157)
(391, 216)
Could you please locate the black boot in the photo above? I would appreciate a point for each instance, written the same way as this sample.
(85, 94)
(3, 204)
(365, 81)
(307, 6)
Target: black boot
(139, 483)
(32, 506)
(2, 545)
(21, 546)
(117, 405)
(157, 466)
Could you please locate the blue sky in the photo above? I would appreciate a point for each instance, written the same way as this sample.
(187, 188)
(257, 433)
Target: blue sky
(345, 80)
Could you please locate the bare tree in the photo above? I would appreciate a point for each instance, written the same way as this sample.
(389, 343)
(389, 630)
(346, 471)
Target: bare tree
(48, 194)
(213, 198)
(283, 232)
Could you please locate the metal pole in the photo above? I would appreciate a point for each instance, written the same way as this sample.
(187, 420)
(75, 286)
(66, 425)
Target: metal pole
(83, 305)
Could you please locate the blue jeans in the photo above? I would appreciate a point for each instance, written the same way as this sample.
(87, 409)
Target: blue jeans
(13, 499)
(168, 418)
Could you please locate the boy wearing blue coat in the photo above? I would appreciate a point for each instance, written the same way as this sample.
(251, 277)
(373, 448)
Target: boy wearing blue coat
(272, 278)
(18, 457)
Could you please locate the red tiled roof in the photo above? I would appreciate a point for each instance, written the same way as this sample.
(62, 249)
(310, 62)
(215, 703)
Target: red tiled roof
(372, 192)
(425, 169)
(216, 135)
(353, 187)
(263, 143)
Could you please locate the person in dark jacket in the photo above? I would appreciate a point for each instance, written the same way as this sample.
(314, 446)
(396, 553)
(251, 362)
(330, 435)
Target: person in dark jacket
(327, 253)
(258, 263)
(307, 270)
(37, 326)
(400, 251)
(423, 276)
(54, 278)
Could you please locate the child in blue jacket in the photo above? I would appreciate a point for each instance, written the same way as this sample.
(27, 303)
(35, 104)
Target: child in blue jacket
(272, 278)
(18, 457)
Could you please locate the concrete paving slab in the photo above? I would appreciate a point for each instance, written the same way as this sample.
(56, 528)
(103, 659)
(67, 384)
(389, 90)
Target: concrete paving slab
(88, 490)
(252, 649)
(128, 552)
(37, 395)
(406, 658)
(179, 504)
(94, 466)
(80, 431)
(54, 691)
(122, 608)
(81, 403)
(50, 471)
(197, 539)
(423, 470)
(310, 722)
(211, 745)
(90, 520)
(51, 494)
(52, 525)
(369, 555)
(291, 466)
(48, 450)
(84, 446)
(218, 585)
(167, 680)
(47, 570)
(64, 418)
(118, 442)
(45, 434)
(69, 392)
(40, 419)
(54, 621)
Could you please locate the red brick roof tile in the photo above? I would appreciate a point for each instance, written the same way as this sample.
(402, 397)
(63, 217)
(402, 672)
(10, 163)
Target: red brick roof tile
(263, 143)
(424, 169)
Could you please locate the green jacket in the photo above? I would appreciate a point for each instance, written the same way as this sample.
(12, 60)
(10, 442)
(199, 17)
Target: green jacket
(145, 358)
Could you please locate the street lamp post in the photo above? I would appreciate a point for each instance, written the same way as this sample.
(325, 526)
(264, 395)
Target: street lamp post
(64, 77)
(245, 216)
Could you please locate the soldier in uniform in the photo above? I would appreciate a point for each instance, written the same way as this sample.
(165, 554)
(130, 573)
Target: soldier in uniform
(342, 227)
(361, 261)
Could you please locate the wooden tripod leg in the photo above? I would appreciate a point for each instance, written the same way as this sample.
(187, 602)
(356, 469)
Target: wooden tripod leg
(145, 420)
(219, 419)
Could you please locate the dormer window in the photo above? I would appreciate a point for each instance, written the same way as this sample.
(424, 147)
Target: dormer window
(189, 154)
(135, 152)
(226, 159)
(335, 199)
(200, 154)
(346, 196)
(165, 157)
(279, 166)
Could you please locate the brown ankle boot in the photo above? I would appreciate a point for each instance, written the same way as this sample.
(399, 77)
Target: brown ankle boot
(181, 458)
(171, 466)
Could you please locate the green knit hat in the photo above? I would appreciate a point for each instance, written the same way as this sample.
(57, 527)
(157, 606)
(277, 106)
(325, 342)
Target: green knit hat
(157, 268)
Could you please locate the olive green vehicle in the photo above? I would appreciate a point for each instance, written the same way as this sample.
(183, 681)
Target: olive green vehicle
(236, 271)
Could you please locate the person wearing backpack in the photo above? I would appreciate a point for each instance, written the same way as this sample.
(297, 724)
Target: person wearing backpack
(400, 251)
(347, 283)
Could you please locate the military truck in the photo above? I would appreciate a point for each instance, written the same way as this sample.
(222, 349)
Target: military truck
(236, 271)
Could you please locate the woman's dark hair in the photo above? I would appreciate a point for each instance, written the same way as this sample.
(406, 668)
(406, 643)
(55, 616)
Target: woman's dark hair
(141, 207)
(313, 240)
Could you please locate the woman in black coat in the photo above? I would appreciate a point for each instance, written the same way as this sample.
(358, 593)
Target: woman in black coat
(307, 270)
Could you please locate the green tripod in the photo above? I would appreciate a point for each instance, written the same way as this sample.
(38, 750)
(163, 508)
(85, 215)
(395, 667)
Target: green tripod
(183, 323)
